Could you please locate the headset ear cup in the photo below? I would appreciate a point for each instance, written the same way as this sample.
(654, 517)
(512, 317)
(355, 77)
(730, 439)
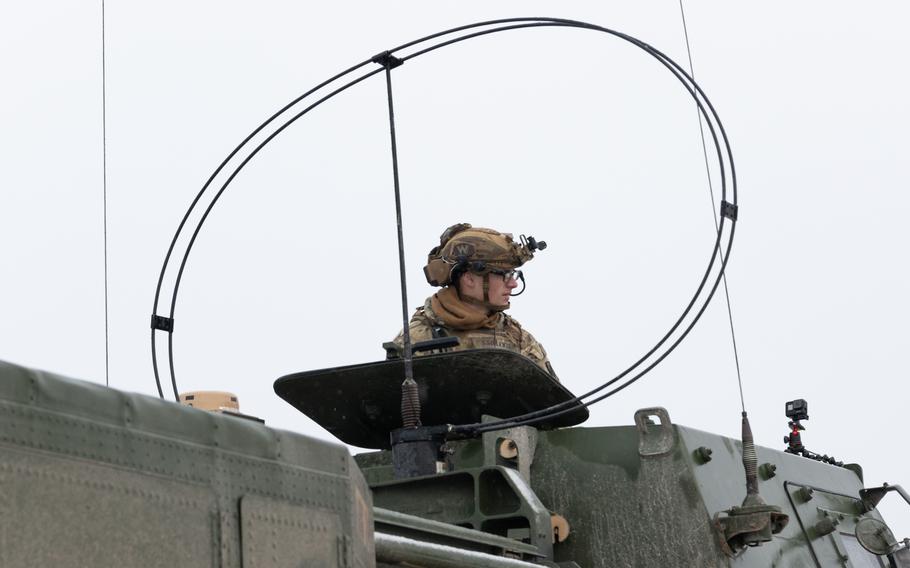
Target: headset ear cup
(426, 273)
(437, 272)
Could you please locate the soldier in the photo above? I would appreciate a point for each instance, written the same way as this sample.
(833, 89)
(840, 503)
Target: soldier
(477, 268)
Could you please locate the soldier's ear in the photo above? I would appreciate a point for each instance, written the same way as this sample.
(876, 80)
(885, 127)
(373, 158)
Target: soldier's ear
(467, 280)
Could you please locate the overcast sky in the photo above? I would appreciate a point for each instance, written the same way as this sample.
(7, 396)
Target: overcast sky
(574, 137)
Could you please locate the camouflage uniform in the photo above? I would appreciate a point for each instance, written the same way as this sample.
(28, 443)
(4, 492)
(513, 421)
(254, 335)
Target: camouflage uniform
(507, 334)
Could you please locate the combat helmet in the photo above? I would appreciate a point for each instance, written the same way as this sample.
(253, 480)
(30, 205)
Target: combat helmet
(465, 248)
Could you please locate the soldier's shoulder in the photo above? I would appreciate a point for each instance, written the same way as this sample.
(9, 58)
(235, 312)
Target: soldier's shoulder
(423, 321)
(426, 314)
(526, 337)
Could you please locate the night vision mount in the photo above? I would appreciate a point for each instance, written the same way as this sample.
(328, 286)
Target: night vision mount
(532, 244)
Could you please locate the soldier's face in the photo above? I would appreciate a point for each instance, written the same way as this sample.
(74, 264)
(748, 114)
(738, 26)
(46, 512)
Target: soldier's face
(471, 285)
(500, 289)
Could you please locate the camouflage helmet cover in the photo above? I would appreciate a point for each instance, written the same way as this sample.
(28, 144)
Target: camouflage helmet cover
(476, 249)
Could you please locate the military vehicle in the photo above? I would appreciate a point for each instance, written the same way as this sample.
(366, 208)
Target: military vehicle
(480, 461)
(97, 477)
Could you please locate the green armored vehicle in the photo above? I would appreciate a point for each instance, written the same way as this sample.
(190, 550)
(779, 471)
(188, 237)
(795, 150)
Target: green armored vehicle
(96, 477)
(480, 460)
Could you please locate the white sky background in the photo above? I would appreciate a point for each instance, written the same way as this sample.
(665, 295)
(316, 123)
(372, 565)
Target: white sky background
(572, 136)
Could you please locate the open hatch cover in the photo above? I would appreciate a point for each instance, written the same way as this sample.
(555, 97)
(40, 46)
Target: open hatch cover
(361, 404)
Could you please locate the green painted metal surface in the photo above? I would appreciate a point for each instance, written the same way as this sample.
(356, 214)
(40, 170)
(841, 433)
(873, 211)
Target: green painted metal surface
(96, 477)
(640, 496)
(91, 476)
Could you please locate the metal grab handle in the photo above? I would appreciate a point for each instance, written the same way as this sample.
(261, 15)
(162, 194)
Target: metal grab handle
(658, 440)
(873, 495)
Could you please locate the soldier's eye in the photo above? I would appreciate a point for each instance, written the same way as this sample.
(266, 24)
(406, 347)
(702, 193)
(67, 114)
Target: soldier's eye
(508, 274)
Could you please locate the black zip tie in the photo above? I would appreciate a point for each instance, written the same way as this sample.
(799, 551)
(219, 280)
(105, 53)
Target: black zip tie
(387, 60)
(729, 210)
(163, 323)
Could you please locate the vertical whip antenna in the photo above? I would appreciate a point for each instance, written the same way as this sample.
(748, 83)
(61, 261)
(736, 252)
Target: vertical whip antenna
(704, 148)
(107, 377)
(410, 397)
(754, 522)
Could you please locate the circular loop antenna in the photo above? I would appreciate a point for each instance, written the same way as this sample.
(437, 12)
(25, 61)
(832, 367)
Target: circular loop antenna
(225, 173)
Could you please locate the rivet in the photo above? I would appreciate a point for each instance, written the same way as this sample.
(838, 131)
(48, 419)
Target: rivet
(805, 493)
(824, 526)
(767, 470)
(703, 454)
